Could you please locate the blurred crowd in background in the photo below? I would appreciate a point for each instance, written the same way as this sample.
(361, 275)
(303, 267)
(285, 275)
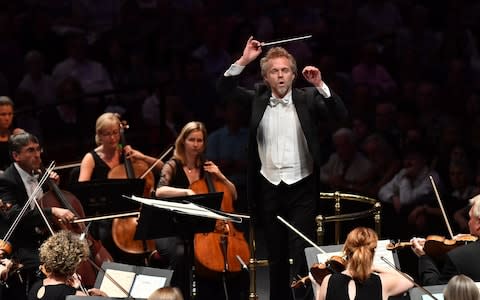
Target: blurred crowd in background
(408, 71)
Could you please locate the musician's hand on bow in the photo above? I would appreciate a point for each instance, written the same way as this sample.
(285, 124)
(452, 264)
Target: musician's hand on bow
(313, 75)
(252, 50)
(417, 246)
(62, 214)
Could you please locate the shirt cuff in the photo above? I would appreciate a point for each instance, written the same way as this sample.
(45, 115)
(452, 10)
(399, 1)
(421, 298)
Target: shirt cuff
(323, 90)
(234, 70)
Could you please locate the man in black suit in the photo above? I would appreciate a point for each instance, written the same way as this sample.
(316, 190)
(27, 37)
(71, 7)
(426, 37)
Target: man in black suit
(461, 260)
(284, 153)
(17, 184)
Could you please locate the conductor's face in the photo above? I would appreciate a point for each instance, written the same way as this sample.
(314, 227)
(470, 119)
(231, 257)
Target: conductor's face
(279, 76)
(29, 157)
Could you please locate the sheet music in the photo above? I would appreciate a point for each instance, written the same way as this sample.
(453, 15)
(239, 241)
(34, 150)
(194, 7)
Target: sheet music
(377, 261)
(123, 278)
(144, 285)
(439, 296)
(184, 208)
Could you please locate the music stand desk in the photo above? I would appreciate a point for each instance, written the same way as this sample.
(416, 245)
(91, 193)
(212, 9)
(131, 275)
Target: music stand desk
(101, 197)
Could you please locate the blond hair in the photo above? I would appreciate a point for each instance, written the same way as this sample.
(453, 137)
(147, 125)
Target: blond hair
(277, 52)
(360, 249)
(166, 293)
(190, 127)
(103, 121)
(461, 287)
(62, 253)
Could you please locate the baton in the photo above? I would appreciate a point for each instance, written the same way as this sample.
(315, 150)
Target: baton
(263, 44)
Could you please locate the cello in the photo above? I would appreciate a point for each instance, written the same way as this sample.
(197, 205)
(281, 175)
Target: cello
(216, 252)
(58, 198)
(123, 229)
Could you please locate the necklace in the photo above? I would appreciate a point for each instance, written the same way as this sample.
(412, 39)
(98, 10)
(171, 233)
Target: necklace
(189, 170)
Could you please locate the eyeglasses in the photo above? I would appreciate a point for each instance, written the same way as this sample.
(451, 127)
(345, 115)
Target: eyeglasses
(110, 133)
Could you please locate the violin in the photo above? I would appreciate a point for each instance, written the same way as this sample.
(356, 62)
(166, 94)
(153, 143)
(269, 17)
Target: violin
(437, 246)
(335, 264)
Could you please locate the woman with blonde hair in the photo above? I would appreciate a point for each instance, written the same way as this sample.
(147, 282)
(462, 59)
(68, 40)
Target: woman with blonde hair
(461, 287)
(361, 280)
(109, 152)
(185, 167)
(166, 293)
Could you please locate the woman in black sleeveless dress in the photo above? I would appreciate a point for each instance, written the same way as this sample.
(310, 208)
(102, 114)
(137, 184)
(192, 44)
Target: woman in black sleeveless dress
(361, 280)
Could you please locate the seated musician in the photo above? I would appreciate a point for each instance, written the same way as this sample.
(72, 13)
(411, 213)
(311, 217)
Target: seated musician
(60, 255)
(186, 167)
(17, 184)
(107, 156)
(461, 287)
(97, 163)
(461, 260)
(362, 280)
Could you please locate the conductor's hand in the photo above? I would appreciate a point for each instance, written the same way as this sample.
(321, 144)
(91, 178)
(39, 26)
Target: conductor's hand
(62, 214)
(417, 246)
(313, 75)
(250, 53)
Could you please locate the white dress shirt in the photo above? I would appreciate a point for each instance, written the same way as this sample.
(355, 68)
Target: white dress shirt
(282, 146)
(30, 182)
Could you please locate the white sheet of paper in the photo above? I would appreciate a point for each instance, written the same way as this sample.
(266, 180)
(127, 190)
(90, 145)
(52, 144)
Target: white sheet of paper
(144, 285)
(123, 278)
(439, 296)
(379, 252)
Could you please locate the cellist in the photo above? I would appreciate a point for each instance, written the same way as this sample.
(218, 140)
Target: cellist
(16, 185)
(184, 168)
(109, 154)
(461, 260)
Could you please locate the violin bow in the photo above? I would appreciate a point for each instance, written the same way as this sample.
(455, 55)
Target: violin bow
(408, 278)
(441, 206)
(32, 197)
(162, 156)
(301, 235)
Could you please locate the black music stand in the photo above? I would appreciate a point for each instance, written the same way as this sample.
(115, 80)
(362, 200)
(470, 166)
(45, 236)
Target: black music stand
(101, 197)
(169, 223)
(157, 222)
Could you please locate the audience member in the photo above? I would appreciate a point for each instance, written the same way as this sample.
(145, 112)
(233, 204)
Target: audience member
(347, 168)
(409, 188)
